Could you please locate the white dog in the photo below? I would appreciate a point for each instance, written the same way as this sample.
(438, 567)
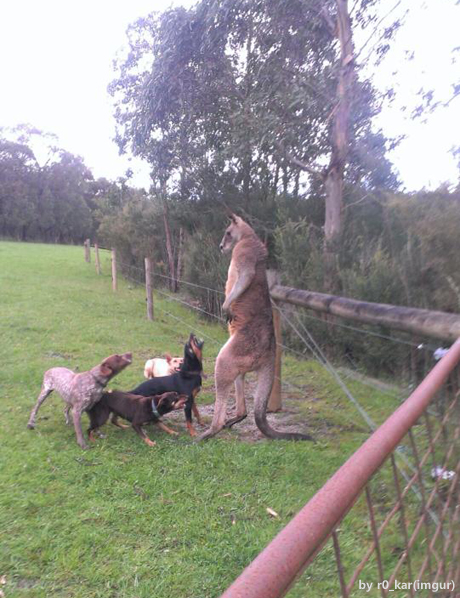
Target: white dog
(157, 367)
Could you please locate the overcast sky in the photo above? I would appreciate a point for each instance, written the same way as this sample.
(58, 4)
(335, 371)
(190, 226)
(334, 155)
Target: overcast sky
(56, 62)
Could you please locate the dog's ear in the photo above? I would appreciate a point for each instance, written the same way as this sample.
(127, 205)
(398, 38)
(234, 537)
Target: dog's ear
(105, 369)
(234, 218)
(181, 399)
(163, 398)
(168, 357)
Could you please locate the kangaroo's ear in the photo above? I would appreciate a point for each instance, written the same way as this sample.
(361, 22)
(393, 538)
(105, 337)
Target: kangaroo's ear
(233, 217)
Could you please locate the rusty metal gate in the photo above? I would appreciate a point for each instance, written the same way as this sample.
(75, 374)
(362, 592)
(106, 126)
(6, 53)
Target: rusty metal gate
(403, 485)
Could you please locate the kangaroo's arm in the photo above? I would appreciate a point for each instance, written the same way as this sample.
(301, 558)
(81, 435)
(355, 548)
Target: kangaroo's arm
(243, 281)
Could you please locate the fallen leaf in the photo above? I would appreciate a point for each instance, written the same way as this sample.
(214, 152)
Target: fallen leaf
(272, 512)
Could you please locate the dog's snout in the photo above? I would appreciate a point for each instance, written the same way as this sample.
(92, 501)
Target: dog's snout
(221, 246)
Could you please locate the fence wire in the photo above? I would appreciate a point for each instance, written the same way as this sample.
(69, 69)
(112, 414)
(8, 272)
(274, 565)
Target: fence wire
(410, 542)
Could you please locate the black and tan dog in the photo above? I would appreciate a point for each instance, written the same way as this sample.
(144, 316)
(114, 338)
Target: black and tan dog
(136, 409)
(187, 381)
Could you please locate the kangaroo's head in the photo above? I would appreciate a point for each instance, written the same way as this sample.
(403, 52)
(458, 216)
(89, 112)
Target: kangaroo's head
(237, 229)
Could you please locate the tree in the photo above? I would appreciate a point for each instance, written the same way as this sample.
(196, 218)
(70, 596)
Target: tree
(18, 168)
(50, 202)
(253, 93)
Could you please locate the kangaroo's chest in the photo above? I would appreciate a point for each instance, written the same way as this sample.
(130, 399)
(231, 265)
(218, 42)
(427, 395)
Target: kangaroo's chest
(232, 277)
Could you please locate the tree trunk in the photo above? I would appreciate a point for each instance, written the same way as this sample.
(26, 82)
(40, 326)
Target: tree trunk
(297, 185)
(179, 257)
(169, 249)
(247, 152)
(340, 141)
(285, 178)
(275, 182)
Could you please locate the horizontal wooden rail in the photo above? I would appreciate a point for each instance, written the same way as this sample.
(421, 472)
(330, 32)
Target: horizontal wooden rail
(422, 322)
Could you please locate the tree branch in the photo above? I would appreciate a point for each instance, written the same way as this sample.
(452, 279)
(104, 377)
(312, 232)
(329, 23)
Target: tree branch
(331, 24)
(318, 173)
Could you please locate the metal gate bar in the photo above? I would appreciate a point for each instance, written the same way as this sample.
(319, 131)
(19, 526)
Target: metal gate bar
(276, 568)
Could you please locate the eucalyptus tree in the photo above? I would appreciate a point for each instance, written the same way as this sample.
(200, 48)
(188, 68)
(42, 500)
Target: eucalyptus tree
(255, 91)
(18, 168)
(49, 201)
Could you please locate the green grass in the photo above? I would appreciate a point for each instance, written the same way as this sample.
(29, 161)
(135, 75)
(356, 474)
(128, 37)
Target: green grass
(180, 520)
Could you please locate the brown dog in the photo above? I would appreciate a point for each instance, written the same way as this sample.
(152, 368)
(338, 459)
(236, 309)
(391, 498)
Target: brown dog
(251, 346)
(79, 391)
(136, 409)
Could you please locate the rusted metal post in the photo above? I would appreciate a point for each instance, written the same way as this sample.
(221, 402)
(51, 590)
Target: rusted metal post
(114, 270)
(148, 287)
(98, 263)
(274, 402)
(87, 250)
(422, 322)
(275, 569)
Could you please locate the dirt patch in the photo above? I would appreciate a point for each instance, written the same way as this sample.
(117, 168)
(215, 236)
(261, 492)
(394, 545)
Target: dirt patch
(291, 418)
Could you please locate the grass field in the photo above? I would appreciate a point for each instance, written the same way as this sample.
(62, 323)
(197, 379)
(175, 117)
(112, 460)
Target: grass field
(180, 520)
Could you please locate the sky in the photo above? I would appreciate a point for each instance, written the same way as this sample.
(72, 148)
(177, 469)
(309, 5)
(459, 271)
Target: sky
(56, 62)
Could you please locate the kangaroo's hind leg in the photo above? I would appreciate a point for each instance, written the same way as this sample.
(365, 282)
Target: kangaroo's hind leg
(241, 412)
(226, 372)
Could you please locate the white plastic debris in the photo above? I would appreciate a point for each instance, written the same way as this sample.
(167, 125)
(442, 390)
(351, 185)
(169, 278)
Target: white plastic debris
(440, 472)
(439, 353)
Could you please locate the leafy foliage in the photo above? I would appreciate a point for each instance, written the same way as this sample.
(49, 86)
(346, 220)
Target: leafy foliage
(58, 202)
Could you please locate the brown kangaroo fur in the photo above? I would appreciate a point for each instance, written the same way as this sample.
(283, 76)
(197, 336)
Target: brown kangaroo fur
(251, 346)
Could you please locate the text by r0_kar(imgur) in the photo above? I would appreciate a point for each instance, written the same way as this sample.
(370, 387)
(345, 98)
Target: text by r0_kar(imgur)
(434, 586)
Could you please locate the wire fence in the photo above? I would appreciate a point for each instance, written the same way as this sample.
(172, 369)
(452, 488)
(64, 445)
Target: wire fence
(403, 483)
(399, 548)
(302, 349)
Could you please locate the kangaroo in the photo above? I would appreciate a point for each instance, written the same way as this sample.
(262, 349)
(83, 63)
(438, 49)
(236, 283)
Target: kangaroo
(251, 346)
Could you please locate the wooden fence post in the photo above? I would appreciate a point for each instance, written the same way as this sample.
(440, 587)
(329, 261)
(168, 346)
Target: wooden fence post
(274, 402)
(98, 263)
(87, 250)
(114, 270)
(148, 287)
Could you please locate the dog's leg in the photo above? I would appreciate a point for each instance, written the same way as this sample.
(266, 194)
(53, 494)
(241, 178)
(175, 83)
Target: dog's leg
(265, 377)
(226, 372)
(91, 435)
(115, 422)
(45, 392)
(190, 428)
(188, 414)
(98, 416)
(241, 412)
(165, 428)
(76, 416)
(196, 413)
(66, 414)
(139, 430)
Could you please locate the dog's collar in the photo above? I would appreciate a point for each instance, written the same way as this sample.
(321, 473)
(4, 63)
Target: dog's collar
(155, 410)
(98, 380)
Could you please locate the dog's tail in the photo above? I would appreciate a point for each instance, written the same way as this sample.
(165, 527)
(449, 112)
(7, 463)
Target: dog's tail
(261, 396)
